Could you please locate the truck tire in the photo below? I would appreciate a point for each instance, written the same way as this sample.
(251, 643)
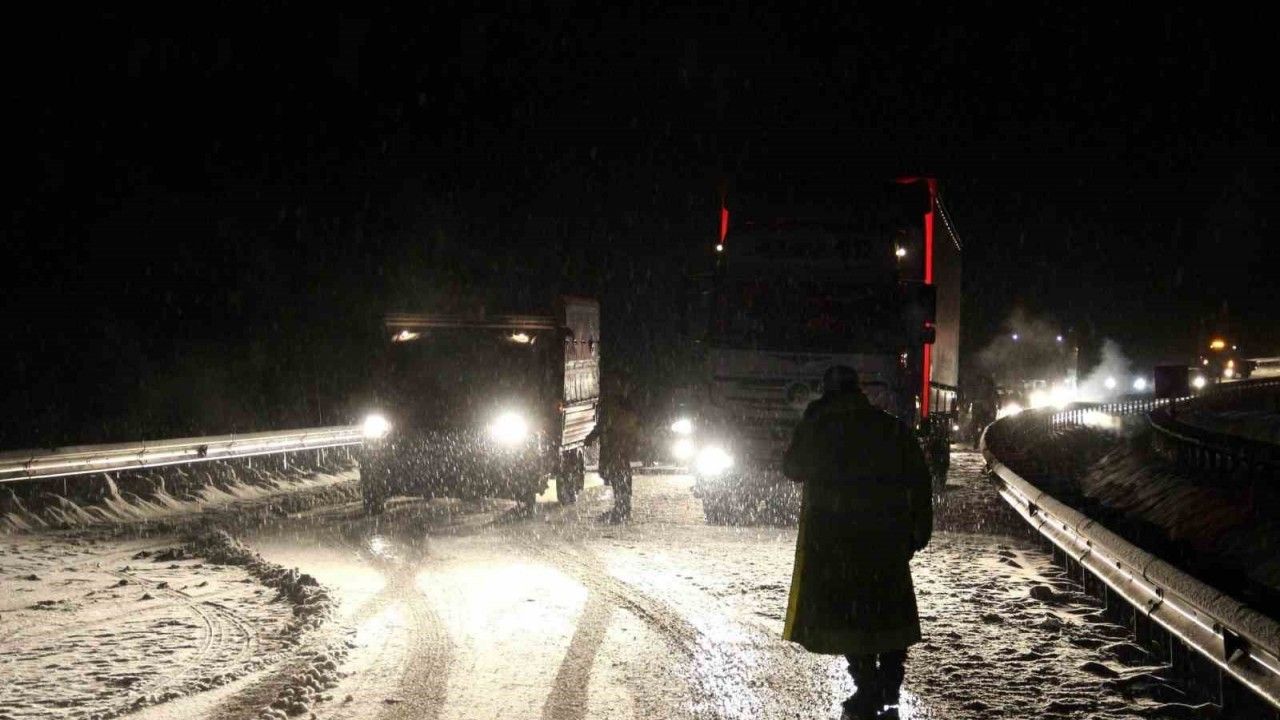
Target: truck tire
(571, 478)
(939, 465)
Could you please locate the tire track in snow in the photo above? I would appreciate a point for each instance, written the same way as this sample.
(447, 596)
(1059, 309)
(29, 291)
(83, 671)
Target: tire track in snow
(719, 682)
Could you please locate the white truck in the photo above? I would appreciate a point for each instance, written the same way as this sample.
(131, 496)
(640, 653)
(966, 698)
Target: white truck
(877, 289)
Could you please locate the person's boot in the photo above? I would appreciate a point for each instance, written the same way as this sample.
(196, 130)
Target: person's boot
(860, 706)
(891, 675)
(864, 702)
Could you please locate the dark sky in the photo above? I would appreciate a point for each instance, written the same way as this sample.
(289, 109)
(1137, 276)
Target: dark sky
(186, 179)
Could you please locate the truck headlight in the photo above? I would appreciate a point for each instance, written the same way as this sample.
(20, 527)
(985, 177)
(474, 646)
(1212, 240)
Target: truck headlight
(683, 449)
(682, 426)
(713, 460)
(375, 427)
(509, 428)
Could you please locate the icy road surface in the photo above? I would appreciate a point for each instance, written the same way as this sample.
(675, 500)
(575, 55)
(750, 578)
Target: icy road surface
(466, 612)
(469, 611)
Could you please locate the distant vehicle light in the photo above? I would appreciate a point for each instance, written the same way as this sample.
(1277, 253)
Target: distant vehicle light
(1059, 338)
(683, 449)
(1199, 382)
(1110, 383)
(1061, 396)
(713, 460)
(1140, 384)
(1229, 373)
(1204, 361)
(901, 252)
(682, 426)
(405, 336)
(375, 427)
(1231, 364)
(509, 428)
(955, 427)
(1218, 344)
(1008, 410)
(719, 247)
(522, 338)
(1015, 337)
(1039, 398)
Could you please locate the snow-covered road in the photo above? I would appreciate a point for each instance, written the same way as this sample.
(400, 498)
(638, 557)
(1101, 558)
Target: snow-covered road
(454, 611)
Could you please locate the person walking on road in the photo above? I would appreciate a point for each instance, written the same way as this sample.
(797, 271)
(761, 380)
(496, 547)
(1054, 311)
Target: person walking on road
(867, 508)
(618, 429)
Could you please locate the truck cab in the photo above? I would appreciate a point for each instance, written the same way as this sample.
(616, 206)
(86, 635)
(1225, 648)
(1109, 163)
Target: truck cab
(482, 405)
(790, 298)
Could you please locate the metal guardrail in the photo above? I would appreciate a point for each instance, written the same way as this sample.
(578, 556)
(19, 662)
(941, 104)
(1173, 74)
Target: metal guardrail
(1236, 638)
(1211, 451)
(89, 459)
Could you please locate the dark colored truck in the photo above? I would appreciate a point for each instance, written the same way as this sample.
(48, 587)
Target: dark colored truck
(482, 405)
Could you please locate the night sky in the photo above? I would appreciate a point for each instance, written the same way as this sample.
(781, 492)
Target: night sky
(208, 210)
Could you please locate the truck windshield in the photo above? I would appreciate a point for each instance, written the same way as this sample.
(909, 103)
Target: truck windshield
(437, 376)
(788, 313)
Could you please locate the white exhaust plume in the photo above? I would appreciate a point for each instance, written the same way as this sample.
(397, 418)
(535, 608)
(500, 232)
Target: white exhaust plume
(1114, 365)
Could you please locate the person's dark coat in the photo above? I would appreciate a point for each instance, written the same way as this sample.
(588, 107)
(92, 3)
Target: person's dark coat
(867, 508)
(618, 429)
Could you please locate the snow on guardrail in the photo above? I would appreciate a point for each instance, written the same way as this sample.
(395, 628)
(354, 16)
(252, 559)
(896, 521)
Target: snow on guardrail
(1238, 639)
(89, 459)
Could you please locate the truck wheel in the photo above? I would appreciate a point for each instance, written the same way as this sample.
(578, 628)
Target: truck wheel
(566, 491)
(572, 477)
(938, 468)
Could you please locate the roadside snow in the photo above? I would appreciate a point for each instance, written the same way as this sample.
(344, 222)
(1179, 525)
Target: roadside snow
(156, 495)
(96, 627)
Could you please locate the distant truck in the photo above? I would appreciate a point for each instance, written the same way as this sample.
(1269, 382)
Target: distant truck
(482, 405)
(1172, 381)
(1222, 360)
(876, 289)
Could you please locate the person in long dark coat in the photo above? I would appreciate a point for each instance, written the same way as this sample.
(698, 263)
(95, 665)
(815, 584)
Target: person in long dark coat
(867, 508)
(618, 431)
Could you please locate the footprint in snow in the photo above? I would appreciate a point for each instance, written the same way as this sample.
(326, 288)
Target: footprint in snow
(1096, 668)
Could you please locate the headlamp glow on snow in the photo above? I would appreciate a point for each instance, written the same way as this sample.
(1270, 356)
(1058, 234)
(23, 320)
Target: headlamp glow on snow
(375, 427)
(713, 460)
(509, 428)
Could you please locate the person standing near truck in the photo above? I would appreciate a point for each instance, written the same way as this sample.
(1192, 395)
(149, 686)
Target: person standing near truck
(618, 430)
(867, 508)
